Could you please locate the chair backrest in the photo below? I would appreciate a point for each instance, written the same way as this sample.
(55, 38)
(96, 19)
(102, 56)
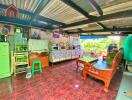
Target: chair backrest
(117, 59)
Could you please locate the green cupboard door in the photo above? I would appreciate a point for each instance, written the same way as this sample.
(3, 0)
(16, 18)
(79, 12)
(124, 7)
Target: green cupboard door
(130, 50)
(127, 45)
(4, 48)
(4, 60)
(4, 64)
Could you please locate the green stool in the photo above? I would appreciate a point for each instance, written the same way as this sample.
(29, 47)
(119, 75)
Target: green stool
(39, 67)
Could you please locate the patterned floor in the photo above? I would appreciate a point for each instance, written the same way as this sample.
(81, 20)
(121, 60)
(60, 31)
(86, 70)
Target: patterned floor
(60, 82)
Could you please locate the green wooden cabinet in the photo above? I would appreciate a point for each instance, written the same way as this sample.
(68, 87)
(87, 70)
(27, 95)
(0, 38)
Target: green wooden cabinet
(127, 45)
(4, 60)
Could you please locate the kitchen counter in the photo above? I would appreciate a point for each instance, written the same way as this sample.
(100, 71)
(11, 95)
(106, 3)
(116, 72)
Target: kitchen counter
(61, 55)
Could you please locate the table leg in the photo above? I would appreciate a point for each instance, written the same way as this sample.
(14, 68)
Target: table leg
(77, 66)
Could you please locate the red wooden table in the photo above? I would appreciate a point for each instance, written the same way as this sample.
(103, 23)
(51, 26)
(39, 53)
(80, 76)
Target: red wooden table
(85, 59)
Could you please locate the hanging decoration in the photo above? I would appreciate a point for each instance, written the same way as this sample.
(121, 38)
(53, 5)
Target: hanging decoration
(10, 11)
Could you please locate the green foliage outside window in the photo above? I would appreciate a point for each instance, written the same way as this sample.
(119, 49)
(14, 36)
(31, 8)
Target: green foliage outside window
(97, 45)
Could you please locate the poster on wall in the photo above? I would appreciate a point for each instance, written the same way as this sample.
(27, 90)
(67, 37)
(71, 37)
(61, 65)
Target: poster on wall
(74, 40)
(35, 34)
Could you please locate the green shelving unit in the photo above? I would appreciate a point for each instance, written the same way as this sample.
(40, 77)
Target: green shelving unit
(20, 62)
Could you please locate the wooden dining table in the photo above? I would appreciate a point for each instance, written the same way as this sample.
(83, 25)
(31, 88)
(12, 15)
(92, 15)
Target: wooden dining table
(85, 59)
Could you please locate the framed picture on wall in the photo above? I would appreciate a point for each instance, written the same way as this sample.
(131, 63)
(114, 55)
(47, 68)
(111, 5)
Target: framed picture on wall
(35, 34)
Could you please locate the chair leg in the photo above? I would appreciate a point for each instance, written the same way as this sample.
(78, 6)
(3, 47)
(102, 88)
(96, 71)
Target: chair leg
(106, 83)
(84, 75)
(32, 70)
(40, 67)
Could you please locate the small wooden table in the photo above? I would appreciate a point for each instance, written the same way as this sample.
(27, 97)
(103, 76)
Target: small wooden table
(39, 55)
(85, 59)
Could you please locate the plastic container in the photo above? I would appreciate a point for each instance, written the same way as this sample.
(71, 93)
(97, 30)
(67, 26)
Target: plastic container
(29, 74)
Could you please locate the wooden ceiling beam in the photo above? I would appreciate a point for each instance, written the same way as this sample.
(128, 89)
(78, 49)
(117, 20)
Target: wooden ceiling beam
(86, 14)
(77, 8)
(106, 30)
(96, 7)
(40, 7)
(121, 14)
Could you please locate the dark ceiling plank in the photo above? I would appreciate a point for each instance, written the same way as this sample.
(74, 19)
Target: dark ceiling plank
(80, 10)
(40, 7)
(32, 14)
(102, 25)
(13, 20)
(104, 35)
(96, 7)
(121, 14)
(106, 30)
(16, 21)
(79, 29)
(77, 8)
(49, 20)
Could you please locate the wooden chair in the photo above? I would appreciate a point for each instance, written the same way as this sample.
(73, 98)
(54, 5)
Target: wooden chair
(103, 74)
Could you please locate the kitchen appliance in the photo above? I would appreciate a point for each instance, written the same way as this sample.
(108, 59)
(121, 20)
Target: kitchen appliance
(3, 38)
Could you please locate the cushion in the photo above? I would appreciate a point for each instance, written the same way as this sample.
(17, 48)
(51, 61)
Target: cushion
(110, 57)
(101, 65)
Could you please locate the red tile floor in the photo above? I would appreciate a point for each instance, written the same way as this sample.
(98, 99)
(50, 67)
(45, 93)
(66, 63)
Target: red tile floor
(60, 82)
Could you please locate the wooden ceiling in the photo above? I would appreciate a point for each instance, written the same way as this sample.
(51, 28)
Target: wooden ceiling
(75, 16)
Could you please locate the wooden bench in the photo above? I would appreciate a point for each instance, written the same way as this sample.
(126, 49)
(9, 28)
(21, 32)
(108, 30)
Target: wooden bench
(103, 74)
